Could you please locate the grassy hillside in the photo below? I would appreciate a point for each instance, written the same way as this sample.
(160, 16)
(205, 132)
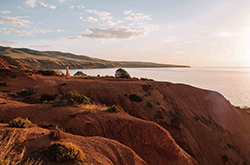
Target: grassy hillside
(58, 60)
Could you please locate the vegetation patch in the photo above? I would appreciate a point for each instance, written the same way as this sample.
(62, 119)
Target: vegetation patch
(65, 152)
(48, 97)
(224, 158)
(8, 153)
(121, 73)
(64, 84)
(57, 134)
(115, 109)
(149, 104)
(146, 87)
(3, 84)
(175, 119)
(72, 98)
(60, 103)
(159, 115)
(80, 73)
(23, 93)
(21, 123)
(146, 79)
(135, 98)
(48, 72)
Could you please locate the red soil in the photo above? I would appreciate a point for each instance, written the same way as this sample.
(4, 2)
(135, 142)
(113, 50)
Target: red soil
(176, 120)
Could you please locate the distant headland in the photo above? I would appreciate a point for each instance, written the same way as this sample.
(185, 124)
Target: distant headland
(58, 60)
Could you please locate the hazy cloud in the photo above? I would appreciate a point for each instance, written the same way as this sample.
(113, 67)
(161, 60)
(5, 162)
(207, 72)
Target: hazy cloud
(223, 34)
(61, 1)
(47, 5)
(43, 31)
(80, 7)
(59, 30)
(91, 19)
(40, 46)
(23, 16)
(5, 12)
(14, 21)
(110, 23)
(127, 11)
(4, 42)
(31, 3)
(103, 15)
(72, 7)
(35, 31)
(81, 18)
(19, 32)
(104, 34)
(137, 16)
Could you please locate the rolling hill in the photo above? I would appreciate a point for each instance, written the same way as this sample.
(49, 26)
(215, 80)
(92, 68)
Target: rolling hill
(58, 60)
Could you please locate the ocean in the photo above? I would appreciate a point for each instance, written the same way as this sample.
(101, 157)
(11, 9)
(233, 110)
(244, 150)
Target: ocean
(232, 83)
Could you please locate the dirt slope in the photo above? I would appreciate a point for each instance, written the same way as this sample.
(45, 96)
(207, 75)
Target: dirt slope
(98, 150)
(130, 131)
(201, 122)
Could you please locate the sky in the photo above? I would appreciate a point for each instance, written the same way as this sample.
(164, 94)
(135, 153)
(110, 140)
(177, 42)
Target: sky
(198, 33)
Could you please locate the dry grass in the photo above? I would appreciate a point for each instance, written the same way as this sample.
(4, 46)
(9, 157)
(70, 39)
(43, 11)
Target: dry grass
(97, 107)
(9, 155)
(65, 152)
(57, 134)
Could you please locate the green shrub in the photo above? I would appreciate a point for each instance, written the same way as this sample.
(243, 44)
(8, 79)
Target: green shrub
(57, 134)
(47, 97)
(60, 103)
(135, 98)
(64, 152)
(146, 79)
(121, 73)
(74, 97)
(115, 109)
(23, 93)
(175, 119)
(159, 115)
(224, 158)
(149, 105)
(80, 73)
(146, 87)
(21, 123)
(3, 84)
(48, 72)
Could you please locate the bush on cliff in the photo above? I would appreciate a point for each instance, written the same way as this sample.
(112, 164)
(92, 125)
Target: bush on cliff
(135, 98)
(121, 73)
(23, 93)
(115, 109)
(21, 123)
(72, 98)
(48, 73)
(57, 134)
(65, 152)
(80, 73)
(47, 97)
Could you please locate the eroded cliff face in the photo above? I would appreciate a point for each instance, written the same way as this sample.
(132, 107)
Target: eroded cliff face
(202, 122)
(164, 123)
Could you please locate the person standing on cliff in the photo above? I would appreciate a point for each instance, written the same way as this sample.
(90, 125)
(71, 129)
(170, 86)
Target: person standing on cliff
(67, 72)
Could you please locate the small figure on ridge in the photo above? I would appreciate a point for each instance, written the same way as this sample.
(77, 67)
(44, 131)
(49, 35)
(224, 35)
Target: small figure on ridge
(67, 72)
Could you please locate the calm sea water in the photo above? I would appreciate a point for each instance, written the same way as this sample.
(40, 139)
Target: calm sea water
(233, 83)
